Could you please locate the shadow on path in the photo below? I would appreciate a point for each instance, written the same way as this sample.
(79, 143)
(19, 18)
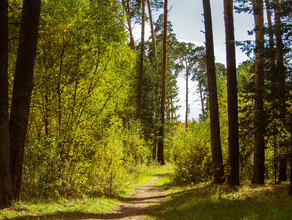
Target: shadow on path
(139, 204)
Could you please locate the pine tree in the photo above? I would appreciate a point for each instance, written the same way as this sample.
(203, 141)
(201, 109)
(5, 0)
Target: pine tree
(218, 168)
(233, 178)
(259, 144)
(160, 154)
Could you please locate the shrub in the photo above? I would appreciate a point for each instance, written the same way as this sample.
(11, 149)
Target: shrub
(191, 156)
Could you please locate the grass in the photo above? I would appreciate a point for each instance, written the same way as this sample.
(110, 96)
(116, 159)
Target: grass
(202, 201)
(153, 171)
(61, 209)
(164, 182)
(84, 208)
(208, 201)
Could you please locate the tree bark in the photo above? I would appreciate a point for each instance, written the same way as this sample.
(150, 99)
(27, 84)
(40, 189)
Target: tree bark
(233, 142)
(290, 190)
(154, 49)
(202, 101)
(140, 76)
(259, 144)
(152, 29)
(22, 89)
(281, 81)
(273, 83)
(283, 170)
(160, 156)
(218, 168)
(269, 18)
(187, 92)
(127, 10)
(5, 177)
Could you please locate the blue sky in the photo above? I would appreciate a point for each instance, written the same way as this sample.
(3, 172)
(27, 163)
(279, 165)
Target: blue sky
(186, 18)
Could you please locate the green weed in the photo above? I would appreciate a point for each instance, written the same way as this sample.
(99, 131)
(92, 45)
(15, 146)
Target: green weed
(153, 171)
(63, 208)
(208, 201)
(87, 207)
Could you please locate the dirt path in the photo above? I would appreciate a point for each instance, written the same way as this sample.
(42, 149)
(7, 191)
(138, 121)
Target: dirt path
(140, 203)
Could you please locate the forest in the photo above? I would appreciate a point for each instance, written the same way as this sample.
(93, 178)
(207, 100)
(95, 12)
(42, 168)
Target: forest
(89, 113)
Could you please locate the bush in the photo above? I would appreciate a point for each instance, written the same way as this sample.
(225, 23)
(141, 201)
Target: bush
(191, 156)
(88, 164)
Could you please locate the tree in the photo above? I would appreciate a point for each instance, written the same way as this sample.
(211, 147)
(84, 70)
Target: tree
(233, 178)
(269, 18)
(273, 87)
(187, 92)
(187, 56)
(5, 183)
(218, 168)
(154, 50)
(290, 189)
(160, 156)
(281, 82)
(259, 144)
(140, 76)
(199, 74)
(152, 29)
(126, 5)
(22, 89)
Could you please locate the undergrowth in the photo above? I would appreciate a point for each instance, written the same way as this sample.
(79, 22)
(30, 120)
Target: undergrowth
(85, 207)
(209, 201)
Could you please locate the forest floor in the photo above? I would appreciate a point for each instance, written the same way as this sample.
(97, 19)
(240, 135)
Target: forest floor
(140, 204)
(157, 198)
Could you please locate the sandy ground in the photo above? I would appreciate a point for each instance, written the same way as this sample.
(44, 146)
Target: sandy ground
(140, 203)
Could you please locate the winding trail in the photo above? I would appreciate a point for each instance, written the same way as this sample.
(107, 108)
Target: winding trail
(140, 203)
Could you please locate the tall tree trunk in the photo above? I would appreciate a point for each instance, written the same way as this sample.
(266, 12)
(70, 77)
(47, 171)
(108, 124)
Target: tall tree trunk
(283, 169)
(22, 88)
(269, 18)
(218, 168)
(172, 109)
(160, 156)
(290, 190)
(154, 152)
(275, 159)
(280, 72)
(279, 44)
(187, 92)
(152, 29)
(5, 177)
(127, 10)
(233, 161)
(259, 144)
(273, 83)
(202, 101)
(140, 76)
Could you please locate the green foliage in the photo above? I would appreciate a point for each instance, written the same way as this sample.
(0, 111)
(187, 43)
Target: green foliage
(63, 208)
(82, 138)
(208, 201)
(190, 149)
(154, 170)
(89, 166)
(191, 153)
(121, 153)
